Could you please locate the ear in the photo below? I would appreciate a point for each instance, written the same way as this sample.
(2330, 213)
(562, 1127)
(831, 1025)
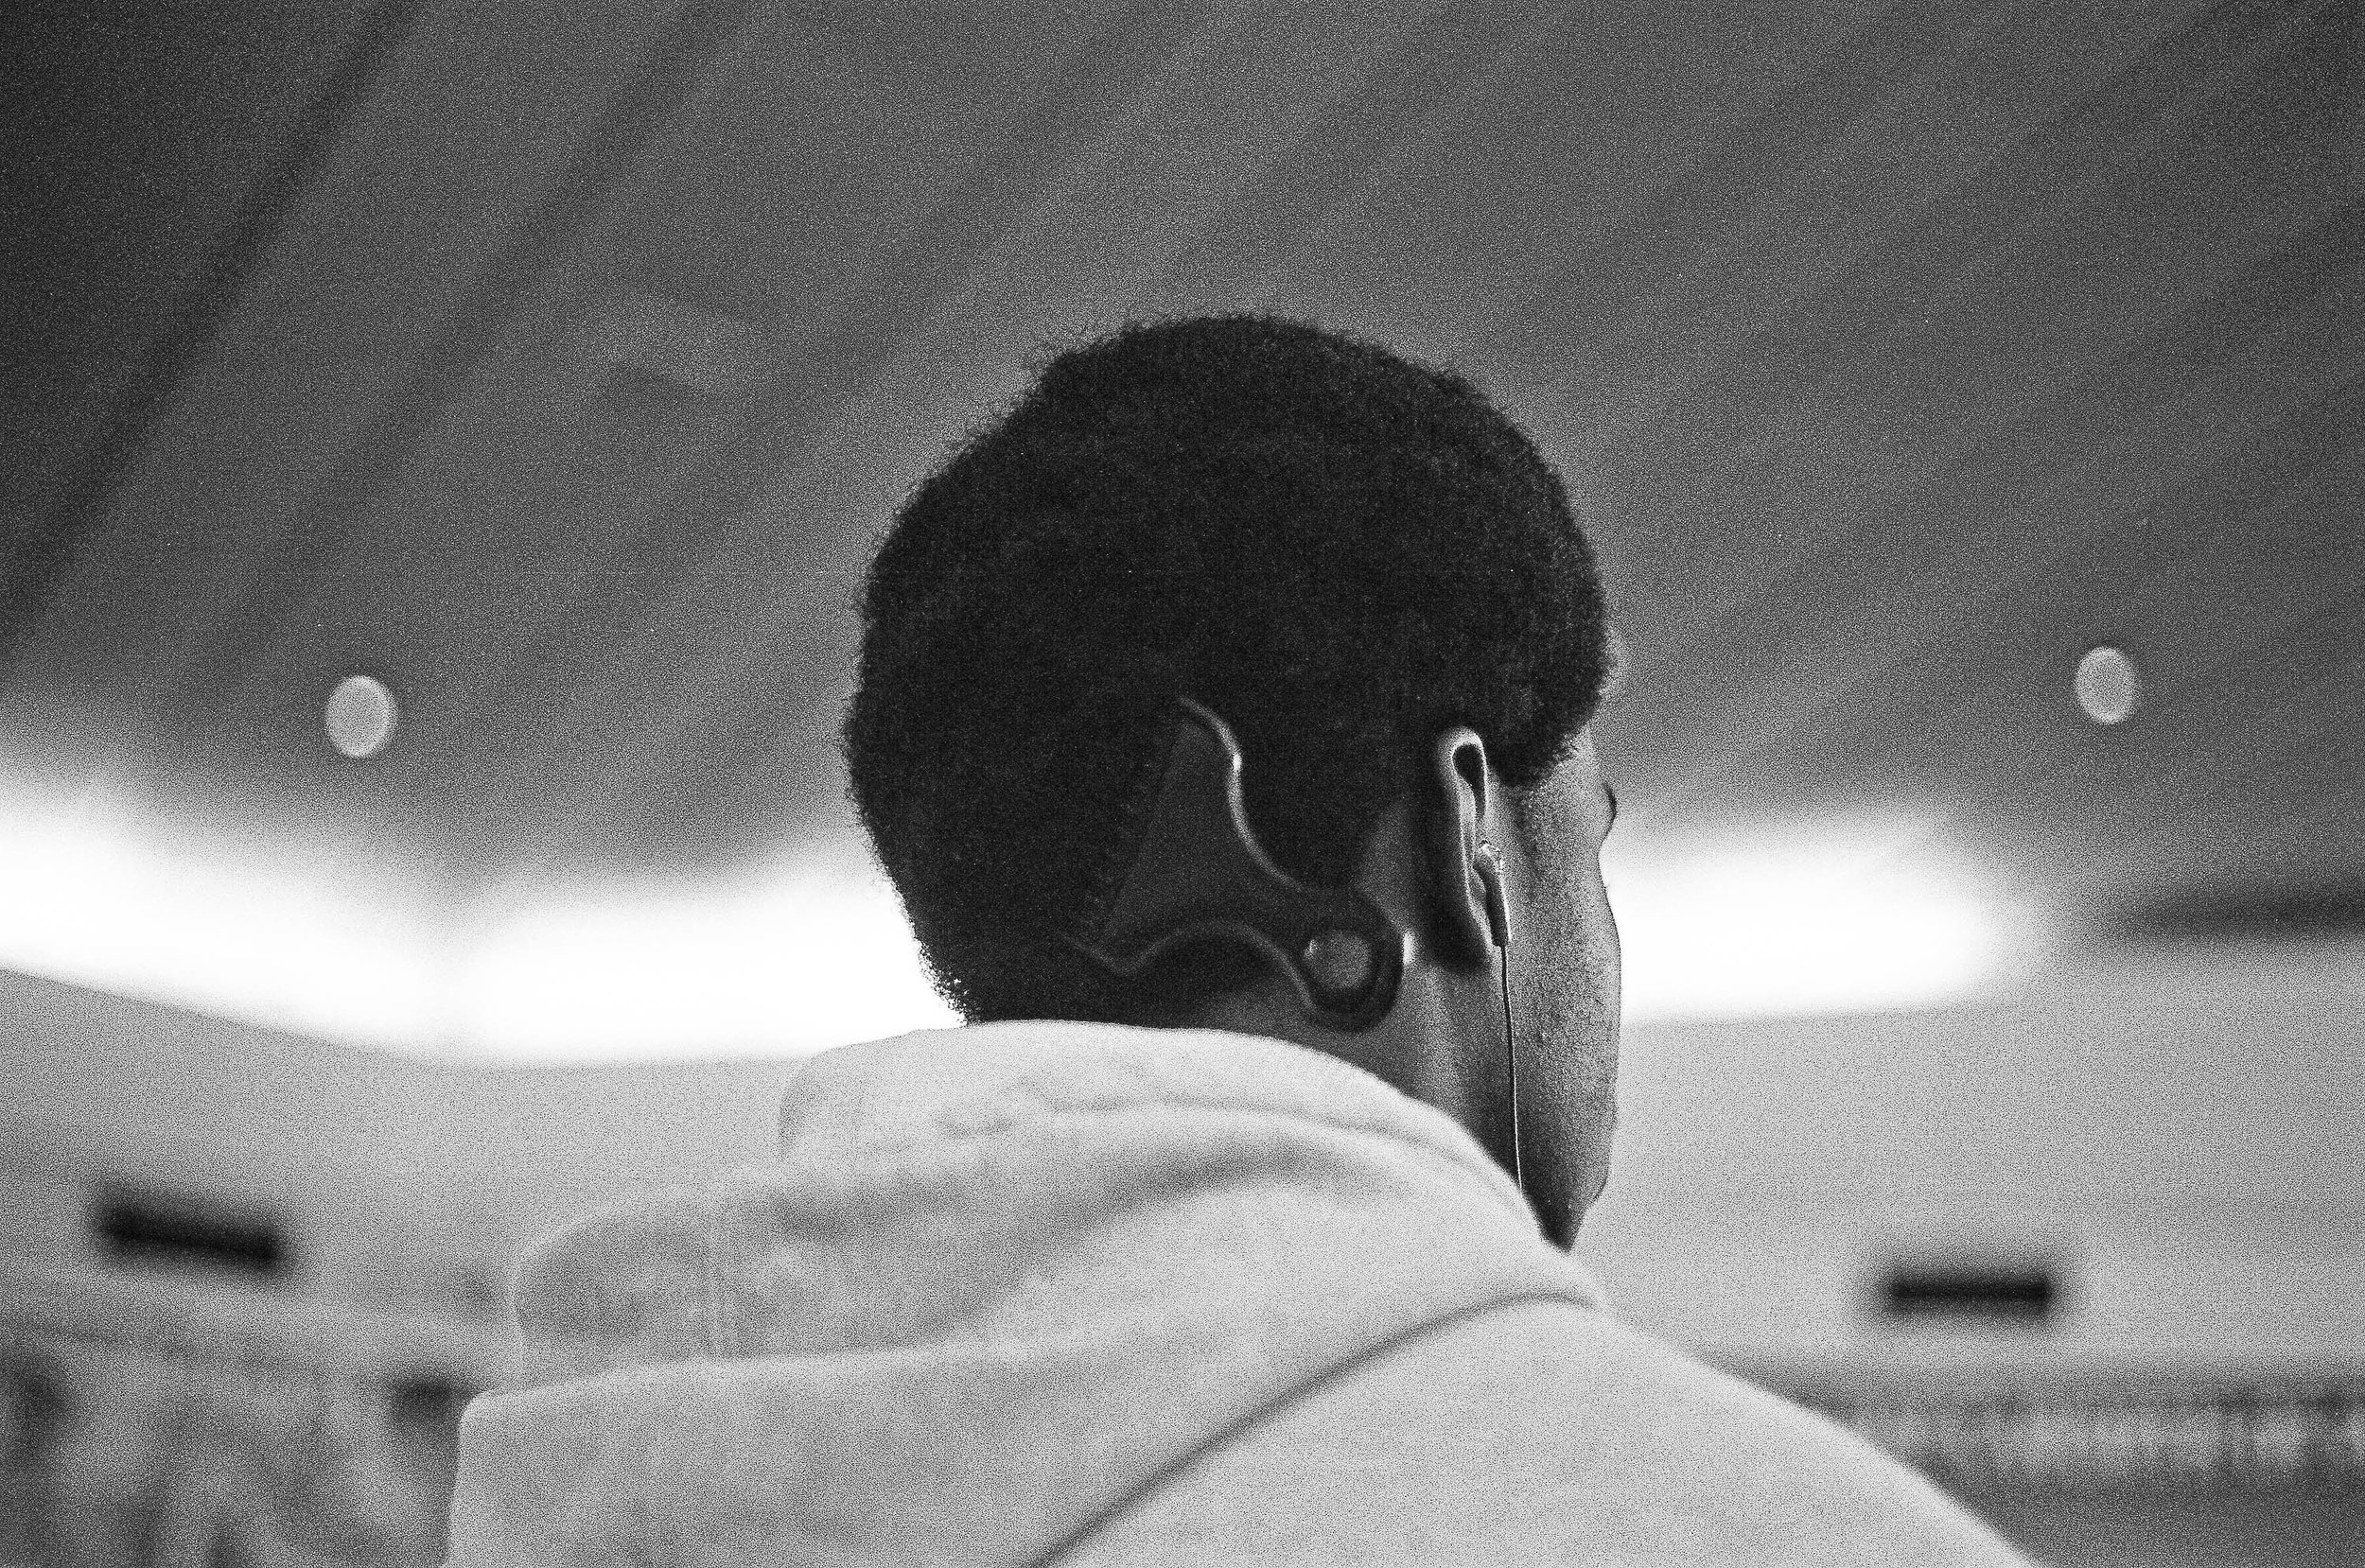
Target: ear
(1466, 873)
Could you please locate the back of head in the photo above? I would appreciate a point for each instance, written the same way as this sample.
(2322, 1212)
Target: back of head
(1340, 552)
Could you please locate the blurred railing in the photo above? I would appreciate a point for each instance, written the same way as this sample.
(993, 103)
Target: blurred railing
(183, 1423)
(2150, 1428)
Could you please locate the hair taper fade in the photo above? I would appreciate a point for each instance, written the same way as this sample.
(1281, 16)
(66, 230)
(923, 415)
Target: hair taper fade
(1340, 551)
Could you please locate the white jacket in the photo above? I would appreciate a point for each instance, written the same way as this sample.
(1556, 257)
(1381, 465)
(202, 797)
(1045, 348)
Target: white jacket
(1055, 1292)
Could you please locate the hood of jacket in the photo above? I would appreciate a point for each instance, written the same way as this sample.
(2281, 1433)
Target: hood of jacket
(998, 1283)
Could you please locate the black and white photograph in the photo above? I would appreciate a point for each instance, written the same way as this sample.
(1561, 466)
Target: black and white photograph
(1030, 784)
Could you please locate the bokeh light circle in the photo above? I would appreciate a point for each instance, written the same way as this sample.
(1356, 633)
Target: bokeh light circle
(360, 715)
(2106, 686)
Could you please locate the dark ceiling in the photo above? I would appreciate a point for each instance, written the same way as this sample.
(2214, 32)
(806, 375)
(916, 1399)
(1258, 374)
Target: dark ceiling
(558, 365)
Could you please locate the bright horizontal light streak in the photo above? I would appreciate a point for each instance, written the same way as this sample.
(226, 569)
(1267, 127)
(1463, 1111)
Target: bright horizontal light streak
(97, 907)
(1847, 920)
(1837, 921)
(812, 959)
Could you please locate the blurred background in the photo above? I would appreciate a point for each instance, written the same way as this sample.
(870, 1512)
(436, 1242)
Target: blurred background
(444, 441)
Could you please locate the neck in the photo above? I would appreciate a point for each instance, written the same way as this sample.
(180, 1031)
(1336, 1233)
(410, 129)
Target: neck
(1442, 1043)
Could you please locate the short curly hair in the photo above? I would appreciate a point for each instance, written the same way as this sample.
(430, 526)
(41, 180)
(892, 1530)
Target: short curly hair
(1340, 551)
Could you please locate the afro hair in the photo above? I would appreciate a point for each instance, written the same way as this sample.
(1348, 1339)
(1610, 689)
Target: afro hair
(1340, 551)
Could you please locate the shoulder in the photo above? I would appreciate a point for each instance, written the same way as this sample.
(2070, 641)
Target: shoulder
(1543, 1431)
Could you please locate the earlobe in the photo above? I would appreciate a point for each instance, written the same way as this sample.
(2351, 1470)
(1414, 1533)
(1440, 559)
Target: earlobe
(1490, 874)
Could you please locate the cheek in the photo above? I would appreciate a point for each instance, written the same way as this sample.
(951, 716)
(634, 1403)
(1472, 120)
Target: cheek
(1572, 934)
(1573, 914)
(1609, 949)
(1580, 959)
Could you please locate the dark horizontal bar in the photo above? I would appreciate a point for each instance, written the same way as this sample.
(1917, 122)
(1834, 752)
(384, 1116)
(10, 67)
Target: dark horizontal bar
(2019, 1295)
